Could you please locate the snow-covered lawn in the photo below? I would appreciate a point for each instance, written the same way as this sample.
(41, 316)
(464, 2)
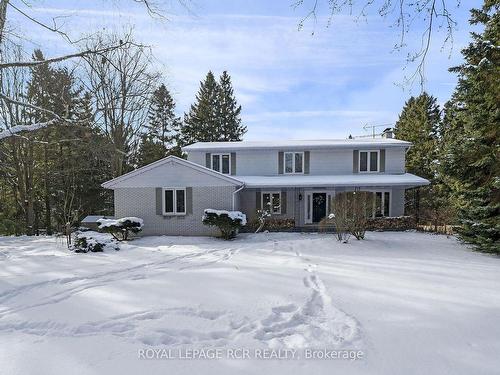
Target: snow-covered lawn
(411, 303)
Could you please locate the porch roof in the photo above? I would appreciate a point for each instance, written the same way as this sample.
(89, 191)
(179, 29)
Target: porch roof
(405, 179)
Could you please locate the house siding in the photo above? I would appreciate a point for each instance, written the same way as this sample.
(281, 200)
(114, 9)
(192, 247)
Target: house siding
(321, 162)
(141, 202)
(395, 160)
(197, 157)
(331, 162)
(257, 163)
(397, 202)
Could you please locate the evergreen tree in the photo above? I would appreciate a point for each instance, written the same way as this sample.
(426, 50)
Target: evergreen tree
(216, 114)
(419, 123)
(161, 136)
(164, 125)
(471, 128)
(201, 124)
(73, 160)
(150, 150)
(229, 111)
(47, 89)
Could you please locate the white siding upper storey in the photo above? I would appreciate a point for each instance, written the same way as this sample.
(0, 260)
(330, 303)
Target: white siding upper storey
(329, 157)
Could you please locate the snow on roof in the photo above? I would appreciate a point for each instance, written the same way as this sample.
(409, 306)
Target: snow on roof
(92, 218)
(406, 179)
(291, 144)
(169, 159)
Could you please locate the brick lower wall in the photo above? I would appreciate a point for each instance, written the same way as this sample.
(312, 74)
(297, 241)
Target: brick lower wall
(141, 202)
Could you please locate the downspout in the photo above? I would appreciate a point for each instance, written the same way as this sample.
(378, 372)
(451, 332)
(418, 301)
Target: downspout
(234, 194)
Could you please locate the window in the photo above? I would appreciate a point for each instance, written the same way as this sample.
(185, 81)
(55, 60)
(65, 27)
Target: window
(381, 203)
(369, 161)
(271, 202)
(221, 163)
(378, 204)
(294, 162)
(174, 201)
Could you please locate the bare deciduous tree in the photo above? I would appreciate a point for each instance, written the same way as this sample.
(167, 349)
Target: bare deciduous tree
(122, 84)
(153, 8)
(404, 14)
(17, 154)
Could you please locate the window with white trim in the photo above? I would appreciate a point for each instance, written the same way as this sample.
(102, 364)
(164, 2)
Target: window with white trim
(369, 161)
(221, 163)
(271, 202)
(174, 201)
(381, 203)
(293, 162)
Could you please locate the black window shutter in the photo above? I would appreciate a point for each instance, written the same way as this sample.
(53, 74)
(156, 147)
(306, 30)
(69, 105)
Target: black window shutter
(233, 163)
(189, 200)
(283, 202)
(159, 201)
(280, 162)
(307, 156)
(257, 200)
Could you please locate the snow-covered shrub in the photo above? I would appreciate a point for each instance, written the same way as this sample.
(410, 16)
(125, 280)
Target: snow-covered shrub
(228, 222)
(121, 228)
(85, 241)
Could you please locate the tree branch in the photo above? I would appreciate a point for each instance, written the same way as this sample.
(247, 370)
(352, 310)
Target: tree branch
(32, 106)
(13, 131)
(85, 53)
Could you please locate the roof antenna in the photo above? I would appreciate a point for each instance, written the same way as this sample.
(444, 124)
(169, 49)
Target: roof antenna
(372, 127)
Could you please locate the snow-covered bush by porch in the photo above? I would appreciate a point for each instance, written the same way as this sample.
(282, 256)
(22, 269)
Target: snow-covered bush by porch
(121, 228)
(95, 242)
(228, 222)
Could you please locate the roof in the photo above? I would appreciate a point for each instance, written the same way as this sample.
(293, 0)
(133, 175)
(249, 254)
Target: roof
(92, 218)
(169, 159)
(360, 179)
(298, 144)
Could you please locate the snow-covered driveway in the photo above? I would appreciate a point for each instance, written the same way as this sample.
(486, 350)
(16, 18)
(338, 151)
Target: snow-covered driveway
(411, 303)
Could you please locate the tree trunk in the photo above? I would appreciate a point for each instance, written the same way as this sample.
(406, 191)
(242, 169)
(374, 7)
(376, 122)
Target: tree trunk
(48, 223)
(3, 17)
(417, 206)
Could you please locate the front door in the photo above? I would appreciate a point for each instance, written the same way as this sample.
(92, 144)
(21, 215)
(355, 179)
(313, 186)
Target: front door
(318, 207)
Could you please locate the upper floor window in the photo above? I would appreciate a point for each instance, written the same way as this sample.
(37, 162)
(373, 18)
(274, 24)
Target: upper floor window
(369, 161)
(174, 201)
(221, 163)
(293, 162)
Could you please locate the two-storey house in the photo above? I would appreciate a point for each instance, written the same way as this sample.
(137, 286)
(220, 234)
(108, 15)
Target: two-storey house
(291, 179)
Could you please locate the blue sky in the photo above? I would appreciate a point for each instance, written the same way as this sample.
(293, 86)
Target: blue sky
(290, 83)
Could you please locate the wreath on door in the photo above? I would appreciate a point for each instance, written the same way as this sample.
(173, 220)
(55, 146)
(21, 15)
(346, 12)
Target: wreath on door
(319, 200)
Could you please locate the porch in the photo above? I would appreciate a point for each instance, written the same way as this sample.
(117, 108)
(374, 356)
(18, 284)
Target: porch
(307, 206)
